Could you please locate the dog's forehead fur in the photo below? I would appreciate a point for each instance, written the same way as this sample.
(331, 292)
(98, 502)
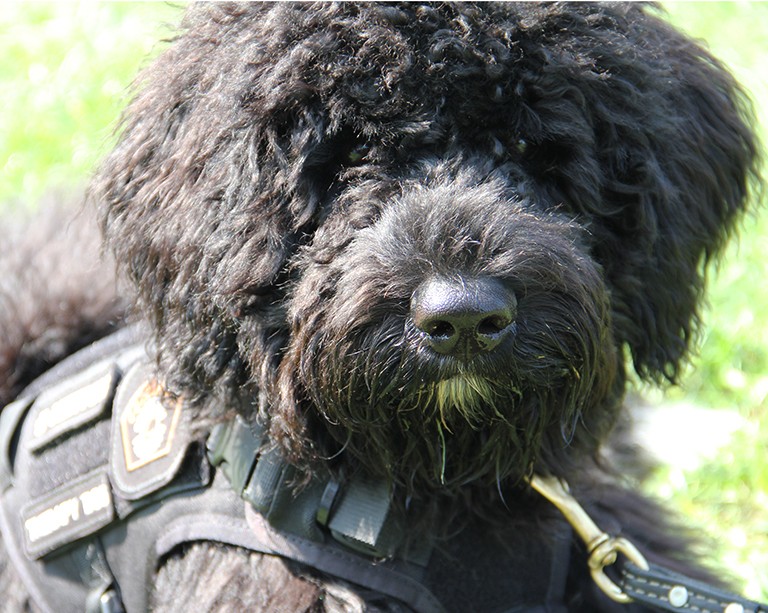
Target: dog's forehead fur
(289, 174)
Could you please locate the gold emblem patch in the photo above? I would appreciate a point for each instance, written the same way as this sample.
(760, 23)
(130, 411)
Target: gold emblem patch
(148, 425)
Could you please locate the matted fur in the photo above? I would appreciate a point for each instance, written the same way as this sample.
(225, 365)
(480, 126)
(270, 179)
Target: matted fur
(289, 175)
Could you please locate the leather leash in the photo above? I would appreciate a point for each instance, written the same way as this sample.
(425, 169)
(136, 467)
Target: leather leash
(639, 581)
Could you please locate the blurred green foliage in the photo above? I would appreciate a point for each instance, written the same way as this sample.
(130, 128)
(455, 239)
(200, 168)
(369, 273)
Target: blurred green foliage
(728, 495)
(63, 76)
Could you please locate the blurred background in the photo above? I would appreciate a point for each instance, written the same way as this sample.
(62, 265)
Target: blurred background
(64, 70)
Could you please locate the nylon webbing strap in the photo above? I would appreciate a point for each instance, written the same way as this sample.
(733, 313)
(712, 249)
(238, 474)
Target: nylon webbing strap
(96, 575)
(355, 513)
(233, 447)
(668, 591)
(360, 517)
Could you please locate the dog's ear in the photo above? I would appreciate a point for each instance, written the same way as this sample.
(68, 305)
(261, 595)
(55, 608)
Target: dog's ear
(202, 202)
(677, 158)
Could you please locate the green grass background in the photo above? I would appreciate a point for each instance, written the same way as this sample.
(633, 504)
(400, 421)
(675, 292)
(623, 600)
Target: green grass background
(64, 68)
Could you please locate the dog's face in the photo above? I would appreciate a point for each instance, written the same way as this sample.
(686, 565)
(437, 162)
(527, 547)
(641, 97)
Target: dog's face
(425, 239)
(457, 330)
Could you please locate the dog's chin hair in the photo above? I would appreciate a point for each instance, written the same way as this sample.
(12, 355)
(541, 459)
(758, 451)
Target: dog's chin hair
(473, 398)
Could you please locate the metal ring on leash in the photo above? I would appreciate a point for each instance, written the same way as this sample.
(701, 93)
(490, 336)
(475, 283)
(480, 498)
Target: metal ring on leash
(602, 548)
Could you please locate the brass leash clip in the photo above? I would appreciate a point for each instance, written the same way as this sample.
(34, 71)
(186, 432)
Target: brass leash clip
(602, 548)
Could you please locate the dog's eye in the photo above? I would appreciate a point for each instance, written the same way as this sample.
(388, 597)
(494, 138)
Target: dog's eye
(358, 154)
(516, 148)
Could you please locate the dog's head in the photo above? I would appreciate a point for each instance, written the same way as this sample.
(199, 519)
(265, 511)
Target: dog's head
(426, 238)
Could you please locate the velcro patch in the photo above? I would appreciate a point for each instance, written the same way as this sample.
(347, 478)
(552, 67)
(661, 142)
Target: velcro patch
(149, 439)
(69, 513)
(71, 405)
(360, 517)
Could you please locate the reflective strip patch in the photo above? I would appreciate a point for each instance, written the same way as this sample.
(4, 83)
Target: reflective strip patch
(72, 512)
(71, 405)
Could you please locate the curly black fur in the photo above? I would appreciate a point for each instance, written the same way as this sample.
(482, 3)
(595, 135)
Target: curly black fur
(288, 176)
(57, 294)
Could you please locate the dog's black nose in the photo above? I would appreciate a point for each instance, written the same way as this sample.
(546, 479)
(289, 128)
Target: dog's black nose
(463, 317)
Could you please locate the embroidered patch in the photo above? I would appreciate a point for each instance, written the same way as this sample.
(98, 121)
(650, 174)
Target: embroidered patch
(72, 405)
(69, 513)
(148, 426)
(149, 438)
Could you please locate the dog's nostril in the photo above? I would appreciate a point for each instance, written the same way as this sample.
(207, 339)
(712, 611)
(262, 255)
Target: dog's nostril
(493, 325)
(439, 329)
(464, 317)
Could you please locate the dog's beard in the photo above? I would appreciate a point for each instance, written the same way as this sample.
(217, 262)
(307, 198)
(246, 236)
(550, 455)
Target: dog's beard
(432, 427)
(375, 398)
(463, 431)
(470, 396)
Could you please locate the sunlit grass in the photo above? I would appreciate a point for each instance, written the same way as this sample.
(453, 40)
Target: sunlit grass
(63, 76)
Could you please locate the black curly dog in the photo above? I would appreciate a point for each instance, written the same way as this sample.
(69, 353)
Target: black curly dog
(419, 245)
